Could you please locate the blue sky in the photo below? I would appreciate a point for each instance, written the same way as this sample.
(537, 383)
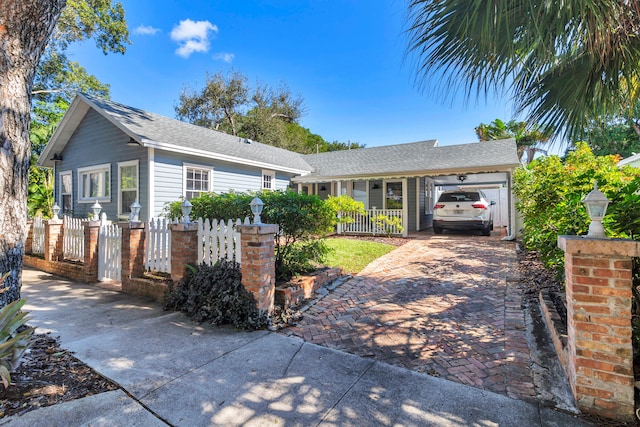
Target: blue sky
(345, 58)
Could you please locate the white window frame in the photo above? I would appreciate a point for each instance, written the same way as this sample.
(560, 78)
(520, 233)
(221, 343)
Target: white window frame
(105, 167)
(122, 165)
(61, 193)
(386, 189)
(186, 167)
(268, 176)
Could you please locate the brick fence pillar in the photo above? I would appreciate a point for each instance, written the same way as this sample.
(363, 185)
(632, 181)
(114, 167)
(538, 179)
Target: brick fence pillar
(258, 263)
(184, 248)
(53, 240)
(91, 235)
(600, 353)
(28, 245)
(133, 247)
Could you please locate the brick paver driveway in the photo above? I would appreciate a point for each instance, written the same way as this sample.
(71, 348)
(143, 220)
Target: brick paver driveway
(445, 305)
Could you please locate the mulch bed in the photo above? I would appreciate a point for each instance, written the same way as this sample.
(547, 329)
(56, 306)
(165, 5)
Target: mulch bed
(49, 375)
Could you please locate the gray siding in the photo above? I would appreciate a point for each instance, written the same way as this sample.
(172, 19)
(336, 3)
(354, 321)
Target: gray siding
(411, 204)
(226, 177)
(95, 142)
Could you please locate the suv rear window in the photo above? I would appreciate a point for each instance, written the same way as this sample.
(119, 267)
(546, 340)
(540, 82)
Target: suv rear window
(471, 196)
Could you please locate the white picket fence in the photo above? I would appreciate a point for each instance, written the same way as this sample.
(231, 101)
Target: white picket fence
(73, 239)
(37, 244)
(219, 240)
(158, 246)
(109, 251)
(365, 223)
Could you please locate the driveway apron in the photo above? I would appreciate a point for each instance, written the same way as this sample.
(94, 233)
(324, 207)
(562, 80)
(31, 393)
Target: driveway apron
(445, 305)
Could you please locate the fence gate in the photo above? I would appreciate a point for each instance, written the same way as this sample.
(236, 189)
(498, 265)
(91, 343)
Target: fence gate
(109, 251)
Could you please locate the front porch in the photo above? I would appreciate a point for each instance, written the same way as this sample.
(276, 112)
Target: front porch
(403, 205)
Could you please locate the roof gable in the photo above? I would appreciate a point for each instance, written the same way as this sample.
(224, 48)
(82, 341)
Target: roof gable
(164, 133)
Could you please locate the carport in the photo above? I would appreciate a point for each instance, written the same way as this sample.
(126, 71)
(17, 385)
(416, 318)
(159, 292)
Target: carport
(404, 180)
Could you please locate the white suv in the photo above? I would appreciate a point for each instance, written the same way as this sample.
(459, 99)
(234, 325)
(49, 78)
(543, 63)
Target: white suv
(463, 210)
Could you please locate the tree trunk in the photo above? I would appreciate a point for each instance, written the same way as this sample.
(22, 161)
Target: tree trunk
(25, 28)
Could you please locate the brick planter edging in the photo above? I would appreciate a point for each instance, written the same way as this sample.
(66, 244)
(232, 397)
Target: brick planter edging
(301, 288)
(154, 289)
(556, 327)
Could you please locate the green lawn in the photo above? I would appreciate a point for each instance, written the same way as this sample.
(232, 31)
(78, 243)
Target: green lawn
(354, 255)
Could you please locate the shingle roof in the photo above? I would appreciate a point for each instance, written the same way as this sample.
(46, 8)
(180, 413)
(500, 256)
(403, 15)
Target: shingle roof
(414, 158)
(163, 132)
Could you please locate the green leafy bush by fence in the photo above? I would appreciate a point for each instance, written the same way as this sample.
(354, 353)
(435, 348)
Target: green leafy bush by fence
(302, 219)
(550, 192)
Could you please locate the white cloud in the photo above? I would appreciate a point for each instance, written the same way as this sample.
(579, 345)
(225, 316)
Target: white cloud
(224, 56)
(192, 36)
(146, 30)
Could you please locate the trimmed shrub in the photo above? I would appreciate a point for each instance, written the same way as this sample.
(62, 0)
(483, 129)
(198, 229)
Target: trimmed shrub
(215, 294)
(303, 220)
(225, 206)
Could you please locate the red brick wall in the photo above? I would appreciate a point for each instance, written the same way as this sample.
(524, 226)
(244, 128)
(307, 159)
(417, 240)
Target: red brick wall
(183, 248)
(600, 354)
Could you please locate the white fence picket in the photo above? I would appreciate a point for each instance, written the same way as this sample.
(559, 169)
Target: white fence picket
(158, 246)
(218, 240)
(109, 251)
(73, 240)
(37, 244)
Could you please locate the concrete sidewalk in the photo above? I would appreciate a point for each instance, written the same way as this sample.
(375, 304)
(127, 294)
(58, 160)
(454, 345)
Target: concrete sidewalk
(173, 372)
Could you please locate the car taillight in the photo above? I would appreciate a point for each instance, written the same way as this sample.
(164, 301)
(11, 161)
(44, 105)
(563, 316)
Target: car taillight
(438, 206)
(479, 206)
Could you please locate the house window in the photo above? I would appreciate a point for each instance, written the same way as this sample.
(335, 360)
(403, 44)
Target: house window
(197, 180)
(66, 192)
(94, 183)
(128, 186)
(268, 180)
(393, 198)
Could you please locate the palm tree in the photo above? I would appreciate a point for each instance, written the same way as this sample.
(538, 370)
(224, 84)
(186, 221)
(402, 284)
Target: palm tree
(528, 137)
(563, 64)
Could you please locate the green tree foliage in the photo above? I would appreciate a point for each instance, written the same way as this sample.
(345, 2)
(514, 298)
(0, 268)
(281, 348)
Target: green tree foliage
(528, 137)
(618, 134)
(262, 113)
(550, 192)
(302, 220)
(58, 80)
(563, 66)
